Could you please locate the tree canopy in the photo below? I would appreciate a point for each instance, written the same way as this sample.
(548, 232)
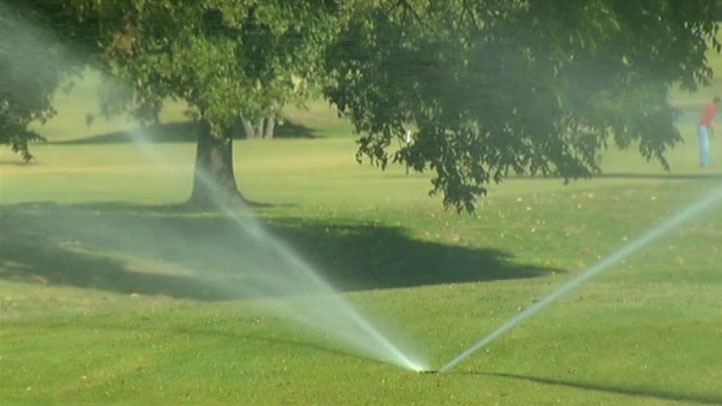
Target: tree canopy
(499, 87)
(35, 59)
(488, 88)
(222, 57)
(226, 59)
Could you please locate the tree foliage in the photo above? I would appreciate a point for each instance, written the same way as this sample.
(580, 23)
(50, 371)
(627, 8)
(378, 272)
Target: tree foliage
(489, 88)
(227, 59)
(35, 59)
(497, 87)
(222, 57)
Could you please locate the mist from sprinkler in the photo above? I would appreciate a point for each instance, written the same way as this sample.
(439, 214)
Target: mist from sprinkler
(630, 248)
(313, 302)
(255, 262)
(307, 298)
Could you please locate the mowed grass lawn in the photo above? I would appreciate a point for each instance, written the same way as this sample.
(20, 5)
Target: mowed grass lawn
(103, 297)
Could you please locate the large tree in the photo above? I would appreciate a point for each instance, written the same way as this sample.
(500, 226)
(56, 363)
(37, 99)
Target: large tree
(499, 86)
(224, 58)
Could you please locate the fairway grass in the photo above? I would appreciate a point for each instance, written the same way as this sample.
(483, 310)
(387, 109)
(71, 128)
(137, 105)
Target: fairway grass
(104, 297)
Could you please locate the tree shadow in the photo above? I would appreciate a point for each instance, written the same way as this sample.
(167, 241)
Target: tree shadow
(290, 129)
(18, 162)
(708, 176)
(642, 392)
(662, 176)
(177, 132)
(363, 257)
(180, 131)
(29, 259)
(205, 256)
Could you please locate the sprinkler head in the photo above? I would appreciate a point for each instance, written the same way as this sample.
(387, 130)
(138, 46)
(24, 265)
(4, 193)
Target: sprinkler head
(429, 372)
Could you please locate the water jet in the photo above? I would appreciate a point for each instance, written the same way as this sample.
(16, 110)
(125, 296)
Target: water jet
(306, 297)
(631, 247)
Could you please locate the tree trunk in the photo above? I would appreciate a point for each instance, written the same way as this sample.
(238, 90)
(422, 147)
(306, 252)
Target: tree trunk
(214, 182)
(237, 131)
(269, 128)
(260, 129)
(247, 127)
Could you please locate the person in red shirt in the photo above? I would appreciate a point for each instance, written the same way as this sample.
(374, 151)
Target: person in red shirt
(705, 129)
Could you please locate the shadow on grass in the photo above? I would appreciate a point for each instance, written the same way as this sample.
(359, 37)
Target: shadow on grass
(704, 176)
(18, 162)
(181, 132)
(661, 176)
(204, 256)
(658, 394)
(27, 258)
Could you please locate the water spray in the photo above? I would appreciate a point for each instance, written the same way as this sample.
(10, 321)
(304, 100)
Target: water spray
(636, 244)
(340, 319)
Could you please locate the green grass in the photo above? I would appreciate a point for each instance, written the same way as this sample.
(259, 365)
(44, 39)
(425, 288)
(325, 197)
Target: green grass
(103, 297)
